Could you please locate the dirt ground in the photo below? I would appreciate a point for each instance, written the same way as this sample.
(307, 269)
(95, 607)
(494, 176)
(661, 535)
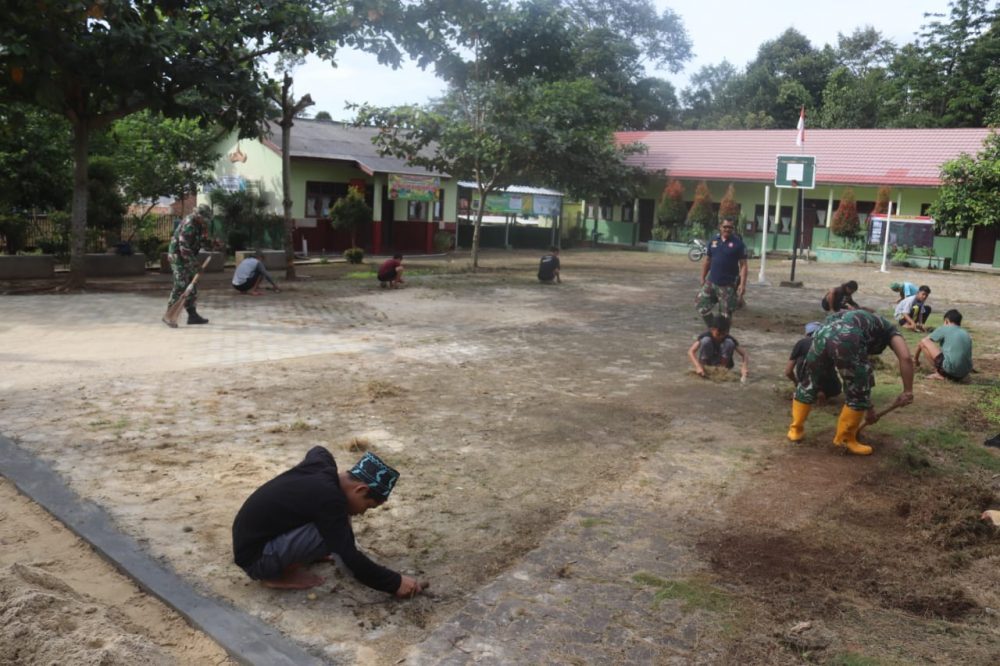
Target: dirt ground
(521, 416)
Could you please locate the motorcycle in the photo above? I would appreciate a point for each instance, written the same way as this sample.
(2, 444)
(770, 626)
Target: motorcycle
(697, 250)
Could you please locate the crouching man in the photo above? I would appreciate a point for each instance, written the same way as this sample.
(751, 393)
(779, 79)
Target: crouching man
(304, 515)
(715, 347)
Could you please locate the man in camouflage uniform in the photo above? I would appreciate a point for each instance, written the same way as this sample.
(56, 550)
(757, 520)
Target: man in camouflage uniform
(183, 254)
(723, 273)
(843, 344)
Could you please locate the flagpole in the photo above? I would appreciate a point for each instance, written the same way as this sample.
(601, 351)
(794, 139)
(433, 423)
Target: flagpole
(800, 140)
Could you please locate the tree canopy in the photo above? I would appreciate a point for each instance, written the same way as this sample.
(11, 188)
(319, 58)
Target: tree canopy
(94, 63)
(969, 192)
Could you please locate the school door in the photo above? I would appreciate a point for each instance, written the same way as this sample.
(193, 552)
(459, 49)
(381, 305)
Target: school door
(984, 241)
(647, 215)
(809, 222)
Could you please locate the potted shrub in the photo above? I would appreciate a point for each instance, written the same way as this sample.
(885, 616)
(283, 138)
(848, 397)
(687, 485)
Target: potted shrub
(354, 255)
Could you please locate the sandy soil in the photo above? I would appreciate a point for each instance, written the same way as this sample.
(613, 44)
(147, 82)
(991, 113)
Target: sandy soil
(508, 406)
(61, 603)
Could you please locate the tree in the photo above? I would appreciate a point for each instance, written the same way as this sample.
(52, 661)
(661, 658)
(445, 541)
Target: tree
(96, 62)
(882, 199)
(671, 211)
(949, 78)
(106, 208)
(728, 208)
(845, 222)
(323, 115)
(701, 219)
(351, 212)
(969, 190)
(290, 109)
(159, 157)
(35, 171)
(546, 85)
(708, 97)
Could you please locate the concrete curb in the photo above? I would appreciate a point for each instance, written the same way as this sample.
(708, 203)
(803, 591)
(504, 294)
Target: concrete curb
(245, 638)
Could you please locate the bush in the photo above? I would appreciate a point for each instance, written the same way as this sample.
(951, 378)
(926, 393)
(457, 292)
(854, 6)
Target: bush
(354, 255)
(443, 241)
(845, 220)
(13, 233)
(661, 233)
(671, 211)
(149, 246)
(728, 206)
(700, 218)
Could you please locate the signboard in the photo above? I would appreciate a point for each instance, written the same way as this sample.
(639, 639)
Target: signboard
(501, 203)
(905, 230)
(227, 184)
(414, 188)
(546, 205)
(795, 171)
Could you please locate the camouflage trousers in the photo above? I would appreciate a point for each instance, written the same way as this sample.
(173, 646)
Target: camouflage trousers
(838, 348)
(711, 295)
(183, 271)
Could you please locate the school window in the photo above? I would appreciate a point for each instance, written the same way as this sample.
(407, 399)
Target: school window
(925, 209)
(320, 196)
(782, 227)
(416, 210)
(627, 212)
(865, 209)
(607, 210)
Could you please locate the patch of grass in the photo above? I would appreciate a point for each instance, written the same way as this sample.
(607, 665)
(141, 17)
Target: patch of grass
(693, 594)
(360, 275)
(852, 659)
(299, 426)
(947, 441)
(99, 423)
(593, 522)
(988, 402)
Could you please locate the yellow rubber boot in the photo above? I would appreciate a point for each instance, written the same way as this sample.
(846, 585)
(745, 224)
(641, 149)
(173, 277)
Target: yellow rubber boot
(800, 411)
(847, 431)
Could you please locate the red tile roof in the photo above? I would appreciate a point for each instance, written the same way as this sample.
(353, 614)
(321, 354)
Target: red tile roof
(898, 157)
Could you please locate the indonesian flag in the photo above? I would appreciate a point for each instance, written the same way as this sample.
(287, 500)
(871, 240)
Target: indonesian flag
(800, 138)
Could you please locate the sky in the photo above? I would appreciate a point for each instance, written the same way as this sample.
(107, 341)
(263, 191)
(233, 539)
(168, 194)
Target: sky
(717, 30)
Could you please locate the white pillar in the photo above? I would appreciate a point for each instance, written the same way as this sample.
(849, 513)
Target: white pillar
(763, 240)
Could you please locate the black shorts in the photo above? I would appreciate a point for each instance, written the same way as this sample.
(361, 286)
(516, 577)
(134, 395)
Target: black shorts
(939, 366)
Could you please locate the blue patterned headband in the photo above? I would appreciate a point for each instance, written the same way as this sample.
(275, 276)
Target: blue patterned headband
(374, 473)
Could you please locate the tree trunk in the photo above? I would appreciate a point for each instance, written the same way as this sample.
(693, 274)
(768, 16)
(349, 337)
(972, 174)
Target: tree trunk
(475, 230)
(78, 229)
(286, 201)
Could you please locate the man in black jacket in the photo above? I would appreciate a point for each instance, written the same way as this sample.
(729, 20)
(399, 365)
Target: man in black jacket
(303, 516)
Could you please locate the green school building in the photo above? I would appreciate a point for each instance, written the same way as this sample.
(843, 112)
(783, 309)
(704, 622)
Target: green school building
(907, 160)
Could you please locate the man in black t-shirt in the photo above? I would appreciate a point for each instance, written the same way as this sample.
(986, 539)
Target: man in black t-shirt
(548, 267)
(304, 515)
(795, 368)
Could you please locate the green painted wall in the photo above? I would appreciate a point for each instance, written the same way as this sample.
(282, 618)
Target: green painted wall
(911, 201)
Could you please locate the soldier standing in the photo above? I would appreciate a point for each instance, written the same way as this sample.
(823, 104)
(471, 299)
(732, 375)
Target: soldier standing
(183, 254)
